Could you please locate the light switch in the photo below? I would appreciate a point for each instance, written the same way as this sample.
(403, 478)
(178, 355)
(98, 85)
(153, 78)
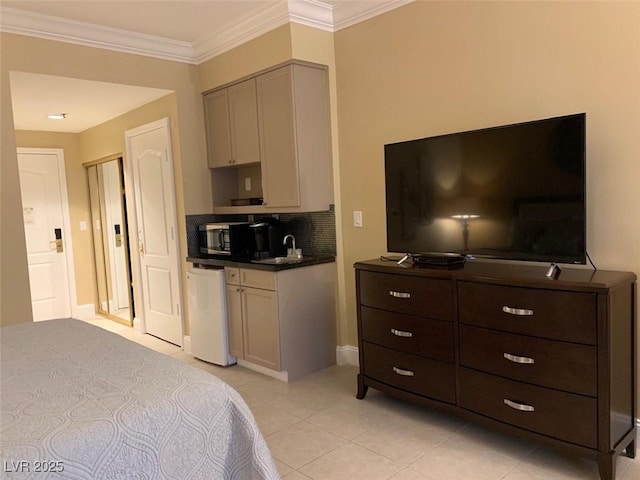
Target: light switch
(357, 218)
(247, 184)
(83, 226)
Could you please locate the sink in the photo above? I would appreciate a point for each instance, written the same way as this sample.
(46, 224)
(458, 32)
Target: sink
(278, 260)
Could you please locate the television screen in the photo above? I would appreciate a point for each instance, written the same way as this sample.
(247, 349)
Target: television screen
(511, 192)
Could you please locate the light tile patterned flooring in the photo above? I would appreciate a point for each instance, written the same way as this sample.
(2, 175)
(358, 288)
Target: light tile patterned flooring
(317, 429)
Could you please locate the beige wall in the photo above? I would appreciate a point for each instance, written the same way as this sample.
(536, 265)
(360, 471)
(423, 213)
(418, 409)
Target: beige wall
(435, 67)
(450, 66)
(78, 195)
(15, 297)
(33, 55)
(263, 52)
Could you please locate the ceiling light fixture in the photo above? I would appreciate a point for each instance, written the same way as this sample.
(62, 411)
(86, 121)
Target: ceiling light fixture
(57, 116)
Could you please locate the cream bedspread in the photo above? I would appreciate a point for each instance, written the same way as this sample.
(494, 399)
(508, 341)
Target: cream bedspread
(82, 403)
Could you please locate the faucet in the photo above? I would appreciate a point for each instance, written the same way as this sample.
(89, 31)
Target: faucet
(292, 252)
(293, 241)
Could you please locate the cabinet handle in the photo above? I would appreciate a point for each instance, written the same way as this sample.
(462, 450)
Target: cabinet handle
(519, 406)
(403, 372)
(523, 312)
(517, 359)
(399, 294)
(400, 333)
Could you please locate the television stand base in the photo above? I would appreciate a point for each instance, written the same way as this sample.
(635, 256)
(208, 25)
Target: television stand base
(438, 259)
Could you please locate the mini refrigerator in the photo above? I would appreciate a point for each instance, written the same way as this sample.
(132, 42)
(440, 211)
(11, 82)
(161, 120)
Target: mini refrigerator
(208, 316)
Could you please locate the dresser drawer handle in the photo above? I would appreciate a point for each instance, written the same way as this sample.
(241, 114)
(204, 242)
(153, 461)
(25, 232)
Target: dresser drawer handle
(399, 294)
(403, 372)
(400, 333)
(517, 359)
(523, 312)
(519, 406)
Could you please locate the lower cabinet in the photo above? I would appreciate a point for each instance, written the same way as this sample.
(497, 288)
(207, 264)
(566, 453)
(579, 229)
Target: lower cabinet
(284, 320)
(253, 325)
(261, 328)
(552, 360)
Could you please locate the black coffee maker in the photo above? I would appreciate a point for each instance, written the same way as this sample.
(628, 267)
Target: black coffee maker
(267, 237)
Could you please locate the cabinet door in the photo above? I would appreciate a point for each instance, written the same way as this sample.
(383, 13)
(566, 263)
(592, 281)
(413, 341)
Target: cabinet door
(216, 112)
(234, 321)
(261, 331)
(243, 116)
(280, 179)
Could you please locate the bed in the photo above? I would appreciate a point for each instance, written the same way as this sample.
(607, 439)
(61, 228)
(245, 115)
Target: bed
(84, 403)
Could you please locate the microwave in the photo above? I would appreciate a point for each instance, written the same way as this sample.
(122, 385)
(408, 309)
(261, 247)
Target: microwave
(232, 240)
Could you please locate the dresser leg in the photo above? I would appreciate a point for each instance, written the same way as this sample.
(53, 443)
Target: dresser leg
(630, 451)
(362, 388)
(607, 466)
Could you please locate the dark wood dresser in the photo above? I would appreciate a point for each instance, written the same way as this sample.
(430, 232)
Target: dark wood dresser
(549, 359)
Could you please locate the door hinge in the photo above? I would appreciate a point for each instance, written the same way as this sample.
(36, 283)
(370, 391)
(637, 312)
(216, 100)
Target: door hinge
(172, 234)
(178, 308)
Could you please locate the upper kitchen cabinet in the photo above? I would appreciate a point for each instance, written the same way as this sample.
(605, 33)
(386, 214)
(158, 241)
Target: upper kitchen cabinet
(231, 117)
(293, 125)
(294, 137)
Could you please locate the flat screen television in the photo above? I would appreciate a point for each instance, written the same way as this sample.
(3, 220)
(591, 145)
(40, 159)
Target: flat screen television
(512, 192)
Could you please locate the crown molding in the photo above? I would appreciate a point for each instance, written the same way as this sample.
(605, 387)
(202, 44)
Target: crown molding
(313, 13)
(31, 24)
(243, 31)
(351, 12)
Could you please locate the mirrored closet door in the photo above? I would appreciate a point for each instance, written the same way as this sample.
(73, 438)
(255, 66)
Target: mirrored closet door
(110, 241)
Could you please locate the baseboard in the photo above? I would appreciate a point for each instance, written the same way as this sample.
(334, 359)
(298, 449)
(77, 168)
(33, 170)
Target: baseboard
(186, 344)
(85, 311)
(282, 376)
(347, 355)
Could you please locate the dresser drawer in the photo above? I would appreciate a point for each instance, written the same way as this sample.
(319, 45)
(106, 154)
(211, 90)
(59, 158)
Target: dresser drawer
(568, 316)
(406, 294)
(565, 366)
(561, 415)
(413, 373)
(408, 333)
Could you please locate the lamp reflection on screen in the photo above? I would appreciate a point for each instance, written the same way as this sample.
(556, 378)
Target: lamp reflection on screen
(465, 217)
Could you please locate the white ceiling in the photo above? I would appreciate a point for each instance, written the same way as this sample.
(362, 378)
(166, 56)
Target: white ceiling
(86, 103)
(181, 30)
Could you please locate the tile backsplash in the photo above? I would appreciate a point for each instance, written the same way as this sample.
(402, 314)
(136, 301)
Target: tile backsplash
(315, 232)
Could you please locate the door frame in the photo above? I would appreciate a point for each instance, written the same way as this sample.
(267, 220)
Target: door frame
(66, 220)
(139, 322)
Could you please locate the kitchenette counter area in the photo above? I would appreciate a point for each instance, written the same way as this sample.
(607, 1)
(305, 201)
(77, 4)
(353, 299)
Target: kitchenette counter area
(269, 264)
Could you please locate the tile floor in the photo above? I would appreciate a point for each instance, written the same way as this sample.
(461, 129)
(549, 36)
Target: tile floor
(317, 429)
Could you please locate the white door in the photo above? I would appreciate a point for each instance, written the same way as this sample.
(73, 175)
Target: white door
(43, 188)
(149, 157)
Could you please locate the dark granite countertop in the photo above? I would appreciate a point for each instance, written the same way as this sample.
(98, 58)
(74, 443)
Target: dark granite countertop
(220, 262)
